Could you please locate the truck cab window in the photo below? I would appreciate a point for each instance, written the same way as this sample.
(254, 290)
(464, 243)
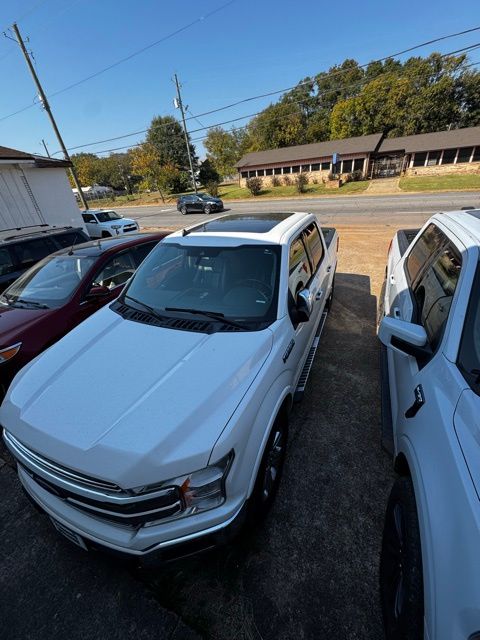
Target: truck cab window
(299, 271)
(434, 293)
(426, 245)
(469, 354)
(314, 245)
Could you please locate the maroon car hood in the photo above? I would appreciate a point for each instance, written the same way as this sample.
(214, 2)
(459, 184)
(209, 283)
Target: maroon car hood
(14, 321)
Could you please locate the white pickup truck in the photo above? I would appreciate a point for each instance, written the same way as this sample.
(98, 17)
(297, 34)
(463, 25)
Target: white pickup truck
(159, 425)
(430, 566)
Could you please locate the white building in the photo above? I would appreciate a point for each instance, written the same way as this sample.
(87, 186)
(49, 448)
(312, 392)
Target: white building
(35, 191)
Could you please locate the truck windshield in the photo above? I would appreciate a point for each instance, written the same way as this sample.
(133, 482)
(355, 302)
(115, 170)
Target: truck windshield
(107, 216)
(50, 283)
(239, 283)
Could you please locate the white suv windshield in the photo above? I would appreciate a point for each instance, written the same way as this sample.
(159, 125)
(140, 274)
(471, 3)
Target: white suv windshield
(107, 216)
(239, 283)
(50, 283)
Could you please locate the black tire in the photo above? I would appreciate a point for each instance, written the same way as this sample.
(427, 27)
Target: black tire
(207, 209)
(183, 210)
(401, 574)
(267, 483)
(329, 302)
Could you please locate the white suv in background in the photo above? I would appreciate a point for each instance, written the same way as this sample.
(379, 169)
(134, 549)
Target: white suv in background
(105, 223)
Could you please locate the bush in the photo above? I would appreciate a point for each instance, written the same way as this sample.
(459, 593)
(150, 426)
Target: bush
(331, 176)
(357, 175)
(315, 180)
(212, 188)
(254, 185)
(276, 181)
(287, 181)
(301, 181)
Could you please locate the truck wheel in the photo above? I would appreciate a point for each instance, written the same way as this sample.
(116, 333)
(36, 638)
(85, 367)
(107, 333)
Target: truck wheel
(401, 575)
(183, 210)
(270, 470)
(207, 209)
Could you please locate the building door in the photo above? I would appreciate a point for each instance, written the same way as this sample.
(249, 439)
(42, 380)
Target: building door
(387, 166)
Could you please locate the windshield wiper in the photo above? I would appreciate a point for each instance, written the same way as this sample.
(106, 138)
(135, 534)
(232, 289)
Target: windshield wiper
(32, 303)
(147, 307)
(215, 315)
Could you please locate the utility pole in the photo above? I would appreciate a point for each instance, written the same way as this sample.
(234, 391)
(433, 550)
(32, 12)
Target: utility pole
(179, 105)
(46, 148)
(46, 106)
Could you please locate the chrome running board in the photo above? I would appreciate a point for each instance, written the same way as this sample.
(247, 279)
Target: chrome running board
(307, 367)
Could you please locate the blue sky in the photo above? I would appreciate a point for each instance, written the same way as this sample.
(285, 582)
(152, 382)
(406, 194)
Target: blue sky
(244, 49)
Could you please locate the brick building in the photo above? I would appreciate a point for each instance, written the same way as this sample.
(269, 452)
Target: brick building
(454, 151)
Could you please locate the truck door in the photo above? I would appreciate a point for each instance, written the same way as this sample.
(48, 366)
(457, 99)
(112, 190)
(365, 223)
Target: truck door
(432, 276)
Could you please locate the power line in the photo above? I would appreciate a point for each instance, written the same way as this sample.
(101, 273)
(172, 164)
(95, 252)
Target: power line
(162, 125)
(129, 57)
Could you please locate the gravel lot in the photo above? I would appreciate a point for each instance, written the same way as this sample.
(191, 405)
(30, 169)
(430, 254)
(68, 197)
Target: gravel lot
(310, 571)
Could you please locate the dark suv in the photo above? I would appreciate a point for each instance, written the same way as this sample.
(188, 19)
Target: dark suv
(21, 250)
(199, 203)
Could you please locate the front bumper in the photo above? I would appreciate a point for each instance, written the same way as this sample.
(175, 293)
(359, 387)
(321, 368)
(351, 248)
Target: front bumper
(154, 546)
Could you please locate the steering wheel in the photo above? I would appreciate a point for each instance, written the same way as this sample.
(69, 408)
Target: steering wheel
(261, 287)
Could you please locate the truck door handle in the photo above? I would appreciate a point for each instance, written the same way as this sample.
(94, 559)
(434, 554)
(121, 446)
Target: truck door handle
(329, 268)
(396, 312)
(392, 279)
(412, 411)
(319, 295)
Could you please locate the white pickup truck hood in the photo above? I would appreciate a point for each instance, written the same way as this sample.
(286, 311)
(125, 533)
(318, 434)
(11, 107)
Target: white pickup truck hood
(129, 402)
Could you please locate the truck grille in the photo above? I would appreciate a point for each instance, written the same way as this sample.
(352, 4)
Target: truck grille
(105, 500)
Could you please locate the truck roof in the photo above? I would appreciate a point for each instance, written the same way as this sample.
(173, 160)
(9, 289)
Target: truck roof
(468, 219)
(259, 227)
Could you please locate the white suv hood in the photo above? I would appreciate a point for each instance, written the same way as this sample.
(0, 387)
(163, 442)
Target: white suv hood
(132, 403)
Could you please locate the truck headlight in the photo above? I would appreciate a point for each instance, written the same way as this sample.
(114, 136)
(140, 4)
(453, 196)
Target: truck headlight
(201, 490)
(9, 352)
(116, 226)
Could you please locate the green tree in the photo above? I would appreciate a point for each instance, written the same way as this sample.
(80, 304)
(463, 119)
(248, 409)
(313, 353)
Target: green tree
(166, 135)
(224, 149)
(87, 168)
(207, 173)
(279, 125)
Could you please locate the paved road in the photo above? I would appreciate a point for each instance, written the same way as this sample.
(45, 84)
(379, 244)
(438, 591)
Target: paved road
(394, 209)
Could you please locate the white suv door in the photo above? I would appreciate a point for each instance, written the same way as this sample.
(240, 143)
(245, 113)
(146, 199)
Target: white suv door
(93, 228)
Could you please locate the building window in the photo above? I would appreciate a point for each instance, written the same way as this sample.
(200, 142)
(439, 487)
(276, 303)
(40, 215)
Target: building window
(286, 169)
(268, 172)
(325, 166)
(244, 174)
(277, 171)
(464, 154)
(315, 167)
(476, 155)
(296, 168)
(449, 156)
(260, 172)
(305, 167)
(347, 166)
(251, 174)
(358, 164)
(433, 158)
(419, 159)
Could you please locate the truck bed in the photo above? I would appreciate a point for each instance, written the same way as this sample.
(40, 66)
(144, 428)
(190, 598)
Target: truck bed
(328, 234)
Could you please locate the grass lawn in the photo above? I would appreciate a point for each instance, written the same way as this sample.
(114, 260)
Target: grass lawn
(441, 183)
(231, 192)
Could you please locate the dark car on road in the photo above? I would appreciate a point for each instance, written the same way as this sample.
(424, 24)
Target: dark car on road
(60, 291)
(20, 250)
(199, 203)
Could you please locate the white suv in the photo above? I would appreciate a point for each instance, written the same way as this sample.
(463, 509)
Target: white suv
(105, 223)
(196, 364)
(430, 565)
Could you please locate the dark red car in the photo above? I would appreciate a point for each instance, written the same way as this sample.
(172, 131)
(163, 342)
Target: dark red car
(60, 291)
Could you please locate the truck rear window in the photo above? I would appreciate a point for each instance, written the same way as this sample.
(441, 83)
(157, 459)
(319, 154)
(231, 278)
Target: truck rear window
(426, 245)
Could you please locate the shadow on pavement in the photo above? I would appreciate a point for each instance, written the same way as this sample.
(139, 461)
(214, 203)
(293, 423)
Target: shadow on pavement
(310, 571)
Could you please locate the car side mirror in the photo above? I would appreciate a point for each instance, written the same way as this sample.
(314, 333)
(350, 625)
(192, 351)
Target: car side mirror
(97, 291)
(92, 222)
(304, 305)
(404, 336)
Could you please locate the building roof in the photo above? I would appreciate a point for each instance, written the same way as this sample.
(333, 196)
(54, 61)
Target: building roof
(347, 146)
(40, 161)
(467, 137)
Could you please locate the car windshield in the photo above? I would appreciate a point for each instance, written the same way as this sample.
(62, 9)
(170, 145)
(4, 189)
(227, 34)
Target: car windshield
(107, 216)
(239, 283)
(50, 283)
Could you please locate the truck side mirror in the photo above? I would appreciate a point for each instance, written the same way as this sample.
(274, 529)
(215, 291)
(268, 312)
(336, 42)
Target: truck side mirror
(304, 305)
(405, 336)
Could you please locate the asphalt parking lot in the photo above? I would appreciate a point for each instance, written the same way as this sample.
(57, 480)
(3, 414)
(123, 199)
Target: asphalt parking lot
(310, 571)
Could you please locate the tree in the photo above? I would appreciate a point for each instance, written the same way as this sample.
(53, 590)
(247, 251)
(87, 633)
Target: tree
(224, 149)
(145, 162)
(279, 125)
(87, 168)
(207, 173)
(165, 134)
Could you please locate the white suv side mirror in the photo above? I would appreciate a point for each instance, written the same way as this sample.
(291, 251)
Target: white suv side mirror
(411, 334)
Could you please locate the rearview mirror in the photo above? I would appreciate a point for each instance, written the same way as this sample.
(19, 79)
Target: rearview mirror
(304, 305)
